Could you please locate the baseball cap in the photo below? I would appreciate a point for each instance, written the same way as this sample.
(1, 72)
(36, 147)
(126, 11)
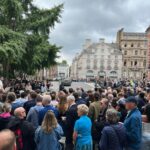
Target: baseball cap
(131, 99)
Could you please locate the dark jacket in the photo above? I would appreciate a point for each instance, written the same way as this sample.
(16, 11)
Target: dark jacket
(71, 117)
(4, 122)
(27, 132)
(27, 105)
(80, 101)
(133, 125)
(43, 111)
(113, 137)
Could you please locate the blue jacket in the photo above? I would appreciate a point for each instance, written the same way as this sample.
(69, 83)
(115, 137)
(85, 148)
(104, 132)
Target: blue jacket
(44, 111)
(133, 124)
(33, 115)
(48, 141)
(113, 137)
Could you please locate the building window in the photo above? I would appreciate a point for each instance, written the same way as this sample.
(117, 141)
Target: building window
(88, 66)
(108, 67)
(125, 63)
(131, 63)
(101, 67)
(144, 63)
(145, 53)
(135, 63)
(95, 64)
(136, 52)
(132, 45)
(125, 52)
(125, 45)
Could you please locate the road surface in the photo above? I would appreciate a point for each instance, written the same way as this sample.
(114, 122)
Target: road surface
(86, 86)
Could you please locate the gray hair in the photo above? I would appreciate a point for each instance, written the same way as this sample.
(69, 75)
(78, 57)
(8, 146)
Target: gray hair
(46, 99)
(83, 109)
(112, 116)
(71, 98)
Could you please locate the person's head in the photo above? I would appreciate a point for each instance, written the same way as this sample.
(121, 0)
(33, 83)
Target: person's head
(97, 96)
(110, 97)
(71, 90)
(82, 110)
(63, 105)
(90, 92)
(53, 95)
(8, 140)
(23, 94)
(46, 100)
(131, 103)
(147, 112)
(11, 97)
(104, 103)
(121, 95)
(6, 108)
(142, 95)
(70, 100)
(148, 96)
(20, 112)
(32, 95)
(39, 99)
(49, 122)
(112, 116)
(77, 94)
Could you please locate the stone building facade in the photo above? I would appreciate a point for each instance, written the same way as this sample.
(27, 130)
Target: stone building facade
(57, 72)
(97, 60)
(134, 49)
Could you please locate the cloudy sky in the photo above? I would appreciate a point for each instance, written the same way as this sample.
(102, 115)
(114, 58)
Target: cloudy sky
(95, 19)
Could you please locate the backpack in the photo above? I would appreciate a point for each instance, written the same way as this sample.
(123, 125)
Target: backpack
(19, 140)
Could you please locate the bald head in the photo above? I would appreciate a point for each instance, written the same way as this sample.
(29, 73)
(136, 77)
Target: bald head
(9, 141)
(46, 100)
(20, 112)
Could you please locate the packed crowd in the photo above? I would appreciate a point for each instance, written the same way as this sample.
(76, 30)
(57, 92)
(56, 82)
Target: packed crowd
(108, 118)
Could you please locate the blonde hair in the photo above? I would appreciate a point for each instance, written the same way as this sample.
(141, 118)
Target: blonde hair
(49, 122)
(6, 107)
(83, 109)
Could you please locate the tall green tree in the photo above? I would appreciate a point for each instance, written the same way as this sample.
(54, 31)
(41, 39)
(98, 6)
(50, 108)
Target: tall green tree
(24, 34)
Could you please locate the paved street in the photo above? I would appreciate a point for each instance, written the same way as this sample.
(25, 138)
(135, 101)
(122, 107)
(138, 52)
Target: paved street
(84, 85)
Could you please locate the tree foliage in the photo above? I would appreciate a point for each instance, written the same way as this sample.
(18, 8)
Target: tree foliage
(24, 34)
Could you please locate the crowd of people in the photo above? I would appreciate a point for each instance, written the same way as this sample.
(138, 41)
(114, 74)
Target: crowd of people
(107, 118)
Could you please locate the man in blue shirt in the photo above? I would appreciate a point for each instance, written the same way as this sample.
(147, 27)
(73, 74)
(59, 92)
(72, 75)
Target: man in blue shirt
(46, 103)
(133, 124)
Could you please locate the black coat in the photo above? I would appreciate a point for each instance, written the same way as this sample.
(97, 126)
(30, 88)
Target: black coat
(29, 104)
(4, 122)
(71, 117)
(27, 130)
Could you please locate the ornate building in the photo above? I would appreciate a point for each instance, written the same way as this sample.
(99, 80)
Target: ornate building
(134, 48)
(97, 60)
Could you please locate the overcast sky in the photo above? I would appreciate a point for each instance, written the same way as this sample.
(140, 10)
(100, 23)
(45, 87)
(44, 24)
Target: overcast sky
(95, 19)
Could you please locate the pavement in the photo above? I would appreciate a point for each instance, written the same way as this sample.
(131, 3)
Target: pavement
(86, 86)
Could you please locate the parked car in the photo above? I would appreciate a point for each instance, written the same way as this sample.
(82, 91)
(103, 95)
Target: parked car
(66, 82)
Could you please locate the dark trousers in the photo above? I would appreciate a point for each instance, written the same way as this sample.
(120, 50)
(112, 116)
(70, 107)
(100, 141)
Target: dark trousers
(69, 146)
